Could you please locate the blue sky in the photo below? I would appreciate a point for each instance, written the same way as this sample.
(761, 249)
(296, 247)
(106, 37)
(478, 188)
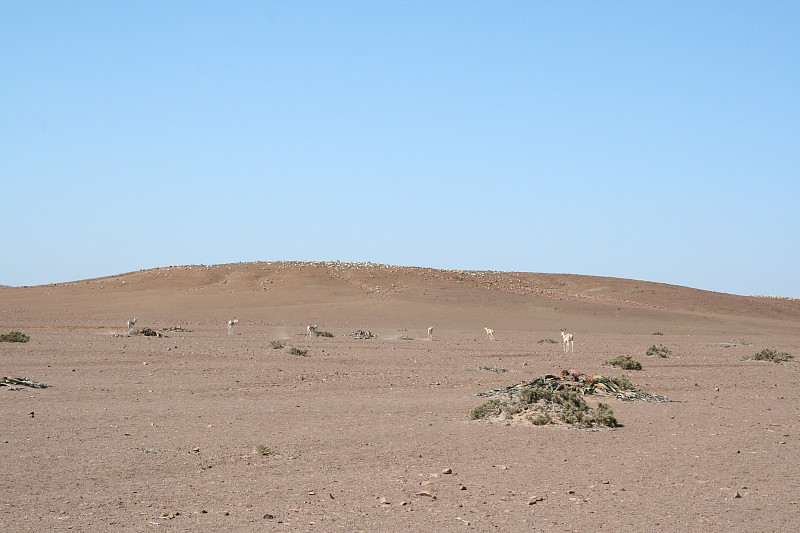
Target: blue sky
(648, 140)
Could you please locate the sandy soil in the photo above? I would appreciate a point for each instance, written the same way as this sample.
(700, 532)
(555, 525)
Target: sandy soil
(160, 434)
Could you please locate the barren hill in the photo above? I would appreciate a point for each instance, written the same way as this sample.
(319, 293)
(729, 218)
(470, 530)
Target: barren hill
(357, 293)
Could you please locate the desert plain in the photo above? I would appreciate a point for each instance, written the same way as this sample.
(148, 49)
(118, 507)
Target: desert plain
(205, 430)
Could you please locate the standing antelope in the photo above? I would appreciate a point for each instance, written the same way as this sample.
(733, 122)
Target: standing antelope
(232, 323)
(568, 340)
(131, 323)
(430, 333)
(311, 329)
(489, 333)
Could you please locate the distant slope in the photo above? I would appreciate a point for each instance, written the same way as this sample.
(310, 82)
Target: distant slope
(292, 282)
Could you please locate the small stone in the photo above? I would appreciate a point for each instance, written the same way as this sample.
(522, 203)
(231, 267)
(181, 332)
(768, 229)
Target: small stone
(462, 487)
(269, 517)
(447, 471)
(737, 495)
(384, 501)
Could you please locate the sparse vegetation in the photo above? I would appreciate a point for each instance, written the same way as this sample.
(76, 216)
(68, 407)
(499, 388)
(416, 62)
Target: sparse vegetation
(298, 351)
(540, 419)
(490, 408)
(552, 399)
(547, 341)
(771, 355)
(276, 345)
(604, 416)
(323, 334)
(14, 336)
(625, 362)
(659, 350)
(657, 333)
(541, 405)
(262, 449)
(623, 382)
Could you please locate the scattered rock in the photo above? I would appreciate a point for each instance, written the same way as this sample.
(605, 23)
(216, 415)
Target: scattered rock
(447, 471)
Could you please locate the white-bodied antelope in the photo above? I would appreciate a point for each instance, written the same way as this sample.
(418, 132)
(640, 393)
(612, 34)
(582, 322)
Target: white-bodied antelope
(489, 333)
(311, 329)
(568, 340)
(232, 323)
(430, 332)
(131, 323)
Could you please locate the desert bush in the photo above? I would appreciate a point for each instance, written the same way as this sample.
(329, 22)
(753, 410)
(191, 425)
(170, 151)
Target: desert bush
(535, 394)
(547, 341)
(323, 334)
(625, 362)
(490, 408)
(540, 419)
(14, 336)
(298, 351)
(546, 406)
(624, 383)
(276, 345)
(603, 415)
(659, 350)
(262, 449)
(771, 355)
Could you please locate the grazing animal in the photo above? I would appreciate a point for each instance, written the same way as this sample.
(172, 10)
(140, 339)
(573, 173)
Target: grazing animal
(131, 323)
(568, 340)
(489, 334)
(232, 323)
(311, 329)
(430, 333)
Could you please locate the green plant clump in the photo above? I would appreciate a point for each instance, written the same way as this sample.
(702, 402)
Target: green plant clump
(660, 350)
(540, 420)
(624, 383)
(625, 362)
(490, 408)
(276, 345)
(262, 449)
(14, 336)
(298, 351)
(548, 406)
(323, 334)
(771, 355)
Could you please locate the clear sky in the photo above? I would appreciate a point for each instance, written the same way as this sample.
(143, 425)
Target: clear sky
(648, 140)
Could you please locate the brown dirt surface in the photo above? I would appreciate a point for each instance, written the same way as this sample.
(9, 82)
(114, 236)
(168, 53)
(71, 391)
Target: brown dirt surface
(160, 433)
